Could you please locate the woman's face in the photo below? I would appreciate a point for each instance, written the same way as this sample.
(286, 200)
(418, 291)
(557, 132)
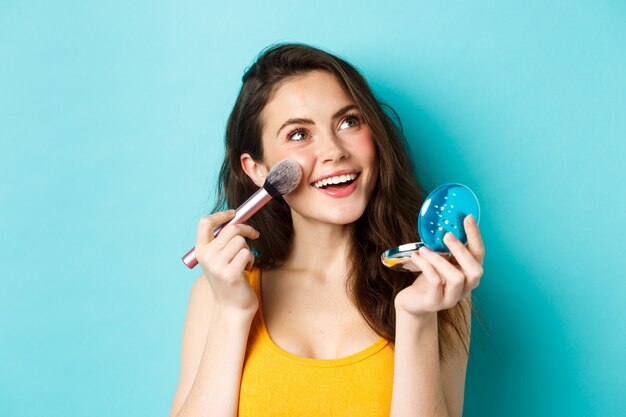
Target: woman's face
(314, 121)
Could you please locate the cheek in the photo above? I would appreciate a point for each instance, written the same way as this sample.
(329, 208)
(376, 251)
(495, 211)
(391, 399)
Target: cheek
(303, 157)
(307, 164)
(365, 149)
(272, 157)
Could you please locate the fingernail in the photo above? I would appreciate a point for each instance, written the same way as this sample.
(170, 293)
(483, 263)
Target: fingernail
(424, 250)
(449, 237)
(471, 219)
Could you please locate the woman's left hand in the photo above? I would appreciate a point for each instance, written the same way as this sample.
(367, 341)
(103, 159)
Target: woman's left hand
(442, 283)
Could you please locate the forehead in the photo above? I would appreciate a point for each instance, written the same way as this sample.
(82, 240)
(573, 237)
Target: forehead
(313, 94)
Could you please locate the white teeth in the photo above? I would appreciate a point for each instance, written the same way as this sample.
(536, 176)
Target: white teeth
(334, 180)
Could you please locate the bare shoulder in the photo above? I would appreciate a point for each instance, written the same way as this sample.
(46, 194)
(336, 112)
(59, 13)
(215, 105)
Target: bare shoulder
(195, 333)
(200, 304)
(201, 288)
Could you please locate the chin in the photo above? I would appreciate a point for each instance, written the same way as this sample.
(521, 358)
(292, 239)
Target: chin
(340, 217)
(330, 213)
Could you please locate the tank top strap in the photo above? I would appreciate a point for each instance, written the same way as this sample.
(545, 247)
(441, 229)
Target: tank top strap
(254, 278)
(256, 331)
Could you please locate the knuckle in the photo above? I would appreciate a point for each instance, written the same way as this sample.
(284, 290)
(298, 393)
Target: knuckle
(458, 278)
(454, 280)
(475, 283)
(457, 286)
(206, 222)
(239, 240)
(232, 228)
(477, 273)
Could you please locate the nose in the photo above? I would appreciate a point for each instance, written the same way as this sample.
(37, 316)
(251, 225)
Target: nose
(331, 149)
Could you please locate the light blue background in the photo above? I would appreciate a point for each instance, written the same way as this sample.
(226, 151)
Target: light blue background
(112, 115)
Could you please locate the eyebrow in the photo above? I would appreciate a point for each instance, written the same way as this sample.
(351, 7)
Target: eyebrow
(300, 120)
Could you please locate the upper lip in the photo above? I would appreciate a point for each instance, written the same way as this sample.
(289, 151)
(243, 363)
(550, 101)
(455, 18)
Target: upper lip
(335, 174)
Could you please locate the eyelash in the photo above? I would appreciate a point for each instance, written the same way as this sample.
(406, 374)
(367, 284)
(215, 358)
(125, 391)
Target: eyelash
(300, 130)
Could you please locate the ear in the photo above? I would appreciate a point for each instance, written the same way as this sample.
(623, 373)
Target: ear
(255, 170)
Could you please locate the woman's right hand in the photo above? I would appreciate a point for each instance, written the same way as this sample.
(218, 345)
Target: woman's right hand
(224, 259)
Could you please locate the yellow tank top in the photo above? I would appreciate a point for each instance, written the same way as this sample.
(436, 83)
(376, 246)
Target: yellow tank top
(277, 383)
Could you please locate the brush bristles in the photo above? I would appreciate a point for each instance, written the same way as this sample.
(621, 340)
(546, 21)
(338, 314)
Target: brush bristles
(283, 178)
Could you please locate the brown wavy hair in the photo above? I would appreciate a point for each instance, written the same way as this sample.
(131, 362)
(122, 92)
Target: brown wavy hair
(391, 214)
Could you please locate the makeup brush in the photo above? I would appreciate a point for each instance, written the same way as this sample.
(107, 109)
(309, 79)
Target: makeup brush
(283, 178)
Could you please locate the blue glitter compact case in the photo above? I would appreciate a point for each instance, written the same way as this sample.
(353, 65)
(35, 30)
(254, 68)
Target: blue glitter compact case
(443, 211)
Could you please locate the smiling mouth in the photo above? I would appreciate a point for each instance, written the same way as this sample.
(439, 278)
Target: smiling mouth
(336, 183)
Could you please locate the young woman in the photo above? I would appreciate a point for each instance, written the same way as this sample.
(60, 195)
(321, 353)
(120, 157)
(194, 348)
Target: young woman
(318, 326)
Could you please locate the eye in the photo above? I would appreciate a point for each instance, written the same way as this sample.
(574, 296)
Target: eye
(297, 135)
(351, 120)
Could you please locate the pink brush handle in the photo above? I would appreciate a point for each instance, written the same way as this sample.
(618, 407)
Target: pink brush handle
(244, 212)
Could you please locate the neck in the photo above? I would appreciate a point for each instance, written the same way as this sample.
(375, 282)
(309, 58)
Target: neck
(319, 248)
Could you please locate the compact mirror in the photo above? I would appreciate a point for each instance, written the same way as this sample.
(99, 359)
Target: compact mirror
(443, 211)
(399, 258)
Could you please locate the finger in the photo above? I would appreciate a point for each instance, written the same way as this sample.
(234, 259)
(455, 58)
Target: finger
(233, 230)
(466, 291)
(474, 239)
(250, 262)
(232, 248)
(453, 277)
(242, 259)
(441, 264)
(470, 266)
(206, 224)
(215, 250)
(435, 283)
